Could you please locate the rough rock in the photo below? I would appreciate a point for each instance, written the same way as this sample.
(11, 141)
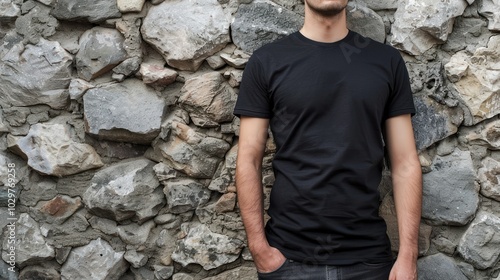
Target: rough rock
(225, 203)
(215, 62)
(50, 150)
(489, 178)
(419, 25)
(485, 134)
(135, 259)
(227, 223)
(39, 272)
(388, 212)
(185, 195)
(190, 31)
(101, 49)
(206, 248)
(234, 61)
(58, 209)
(135, 234)
(240, 273)
(119, 191)
(77, 88)
(476, 80)
(439, 266)
(182, 276)
(21, 88)
(6, 274)
(36, 24)
(126, 6)
(453, 175)
(191, 152)
(489, 9)
(365, 21)
(468, 33)
(93, 11)
(128, 112)
(163, 272)
(157, 75)
(262, 22)
(8, 10)
(101, 261)
(30, 245)
(479, 244)
(130, 27)
(433, 121)
(208, 99)
(378, 5)
(224, 177)
(128, 67)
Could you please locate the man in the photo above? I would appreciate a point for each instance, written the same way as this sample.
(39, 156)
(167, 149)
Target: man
(333, 99)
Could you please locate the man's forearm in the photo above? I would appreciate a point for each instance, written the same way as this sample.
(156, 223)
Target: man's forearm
(407, 185)
(250, 199)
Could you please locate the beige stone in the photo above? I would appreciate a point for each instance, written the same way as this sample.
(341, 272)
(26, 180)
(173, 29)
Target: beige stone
(126, 6)
(476, 80)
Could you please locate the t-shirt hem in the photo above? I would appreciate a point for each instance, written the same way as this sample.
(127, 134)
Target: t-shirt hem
(248, 113)
(400, 112)
(327, 261)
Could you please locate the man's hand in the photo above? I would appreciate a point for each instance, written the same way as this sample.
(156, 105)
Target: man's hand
(267, 259)
(404, 270)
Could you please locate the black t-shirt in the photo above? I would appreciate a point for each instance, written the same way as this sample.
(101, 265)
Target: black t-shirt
(327, 103)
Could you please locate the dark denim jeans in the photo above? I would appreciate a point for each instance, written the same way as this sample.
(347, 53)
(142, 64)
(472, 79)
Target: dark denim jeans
(292, 270)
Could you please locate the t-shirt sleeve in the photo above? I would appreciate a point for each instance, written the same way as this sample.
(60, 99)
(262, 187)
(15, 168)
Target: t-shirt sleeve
(253, 97)
(401, 99)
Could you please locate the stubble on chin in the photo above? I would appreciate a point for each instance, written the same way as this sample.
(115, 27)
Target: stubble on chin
(326, 10)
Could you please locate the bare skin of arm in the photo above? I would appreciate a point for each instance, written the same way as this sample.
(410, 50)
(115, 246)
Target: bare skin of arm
(407, 184)
(251, 146)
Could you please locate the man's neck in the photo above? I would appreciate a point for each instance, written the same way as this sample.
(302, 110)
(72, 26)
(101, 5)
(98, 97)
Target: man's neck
(324, 29)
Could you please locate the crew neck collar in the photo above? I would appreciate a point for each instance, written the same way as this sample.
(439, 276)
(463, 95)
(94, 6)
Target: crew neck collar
(303, 38)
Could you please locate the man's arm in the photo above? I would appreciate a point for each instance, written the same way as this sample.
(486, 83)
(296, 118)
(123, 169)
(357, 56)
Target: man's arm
(407, 184)
(251, 146)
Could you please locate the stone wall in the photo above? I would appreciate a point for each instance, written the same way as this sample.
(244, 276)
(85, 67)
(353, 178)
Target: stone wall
(118, 144)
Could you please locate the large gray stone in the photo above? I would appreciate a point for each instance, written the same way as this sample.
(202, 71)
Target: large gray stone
(128, 112)
(421, 24)
(92, 11)
(433, 121)
(450, 193)
(262, 22)
(206, 248)
(208, 99)
(439, 266)
(119, 191)
(50, 150)
(36, 24)
(489, 9)
(185, 195)
(101, 49)
(96, 260)
(489, 177)
(365, 21)
(9, 10)
(186, 32)
(192, 152)
(30, 245)
(37, 74)
(475, 78)
(479, 244)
